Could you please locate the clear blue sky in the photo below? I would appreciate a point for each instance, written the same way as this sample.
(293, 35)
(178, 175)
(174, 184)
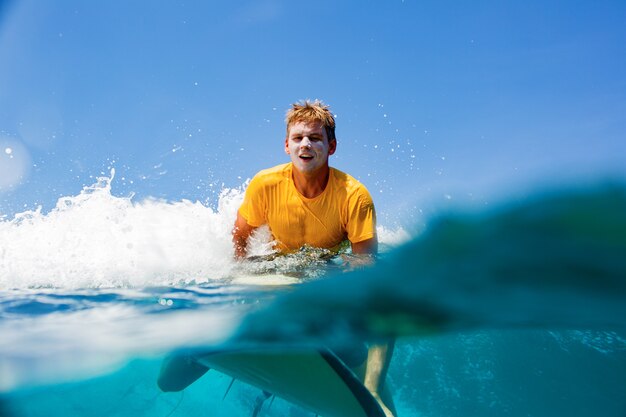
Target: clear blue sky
(436, 101)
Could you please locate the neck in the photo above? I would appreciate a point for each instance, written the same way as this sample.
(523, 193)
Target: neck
(313, 184)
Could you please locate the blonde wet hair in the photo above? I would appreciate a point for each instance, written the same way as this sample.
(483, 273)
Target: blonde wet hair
(310, 111)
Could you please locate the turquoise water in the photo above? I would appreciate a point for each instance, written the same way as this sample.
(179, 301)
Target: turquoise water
(519, 311)
(513, 373)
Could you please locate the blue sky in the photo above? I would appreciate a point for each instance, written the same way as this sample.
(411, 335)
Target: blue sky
(437, 103)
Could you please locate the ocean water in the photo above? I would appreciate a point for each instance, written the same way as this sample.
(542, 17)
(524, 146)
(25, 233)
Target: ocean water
(518, 311)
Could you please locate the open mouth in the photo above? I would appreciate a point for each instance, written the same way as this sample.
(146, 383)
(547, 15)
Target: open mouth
(306, 157)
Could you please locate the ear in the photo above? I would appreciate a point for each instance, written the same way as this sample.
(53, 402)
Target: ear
(287, 146)
(332, 147)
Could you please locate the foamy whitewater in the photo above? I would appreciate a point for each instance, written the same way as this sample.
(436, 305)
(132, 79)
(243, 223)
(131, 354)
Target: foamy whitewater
(98, 240)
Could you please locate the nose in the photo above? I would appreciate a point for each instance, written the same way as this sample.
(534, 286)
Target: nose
(306, 142)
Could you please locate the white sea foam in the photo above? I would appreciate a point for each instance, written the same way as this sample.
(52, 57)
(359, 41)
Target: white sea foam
(96, 240)
(392, 237)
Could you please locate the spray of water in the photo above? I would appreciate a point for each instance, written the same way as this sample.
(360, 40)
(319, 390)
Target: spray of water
(95, 239)
(98, 240)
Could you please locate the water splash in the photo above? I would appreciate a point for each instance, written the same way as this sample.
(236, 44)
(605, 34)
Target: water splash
(98, 240)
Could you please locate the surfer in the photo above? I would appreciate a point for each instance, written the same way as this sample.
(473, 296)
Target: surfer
(305, 203)
(308, 203)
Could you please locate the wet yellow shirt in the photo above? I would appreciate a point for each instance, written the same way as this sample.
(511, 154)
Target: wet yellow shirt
(344, 210)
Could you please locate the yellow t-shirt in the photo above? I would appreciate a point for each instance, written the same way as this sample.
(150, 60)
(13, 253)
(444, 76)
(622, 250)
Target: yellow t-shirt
(344, 210)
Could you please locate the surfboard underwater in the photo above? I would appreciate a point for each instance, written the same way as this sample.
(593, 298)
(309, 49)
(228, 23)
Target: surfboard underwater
(316, 380)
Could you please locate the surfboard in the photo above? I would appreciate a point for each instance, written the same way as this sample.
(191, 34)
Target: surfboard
(315, 380)
(264, 280)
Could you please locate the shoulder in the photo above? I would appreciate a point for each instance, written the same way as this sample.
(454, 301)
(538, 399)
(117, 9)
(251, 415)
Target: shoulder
(272, 176)
(349, 183)
(354, 192)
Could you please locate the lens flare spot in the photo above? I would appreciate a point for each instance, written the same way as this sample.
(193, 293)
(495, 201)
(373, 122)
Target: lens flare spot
(14, 164)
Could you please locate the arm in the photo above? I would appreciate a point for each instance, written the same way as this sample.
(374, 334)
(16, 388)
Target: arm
(378, 356)
(361, 223)
(241, 233)
(364, 251)
(365, 247)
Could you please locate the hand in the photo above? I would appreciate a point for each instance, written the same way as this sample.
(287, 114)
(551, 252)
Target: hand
(353, 262)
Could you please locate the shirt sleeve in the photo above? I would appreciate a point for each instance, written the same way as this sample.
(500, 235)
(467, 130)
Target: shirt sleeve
(253, 208)
(361, 217)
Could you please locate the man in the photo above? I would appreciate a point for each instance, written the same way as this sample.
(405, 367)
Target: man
(306, 202)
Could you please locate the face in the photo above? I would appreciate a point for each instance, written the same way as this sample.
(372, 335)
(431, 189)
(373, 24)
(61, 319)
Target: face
(307, 145)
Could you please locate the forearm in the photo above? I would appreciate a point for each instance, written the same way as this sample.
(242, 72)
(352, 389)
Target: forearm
(365, 247)
(241, 233)
(241, 246)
